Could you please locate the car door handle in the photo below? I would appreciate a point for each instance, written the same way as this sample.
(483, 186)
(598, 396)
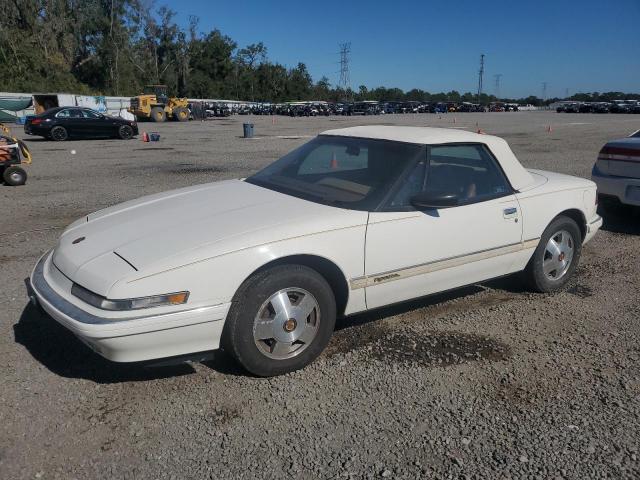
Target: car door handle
(510, 212)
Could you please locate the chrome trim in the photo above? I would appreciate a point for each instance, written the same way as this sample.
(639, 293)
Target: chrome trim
(456, 261)
(38, 285)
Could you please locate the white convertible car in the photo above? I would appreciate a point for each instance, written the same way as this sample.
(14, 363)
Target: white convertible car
(356, 219)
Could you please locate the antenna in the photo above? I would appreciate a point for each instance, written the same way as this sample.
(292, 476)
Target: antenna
(480, 74)
(345, 50)
(497, 78)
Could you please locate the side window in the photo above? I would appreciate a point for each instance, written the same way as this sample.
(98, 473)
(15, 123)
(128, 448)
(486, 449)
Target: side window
(63, 114)
(334, 158)
(75, 113)
(412, 185)
(468, 171)
(90, 114)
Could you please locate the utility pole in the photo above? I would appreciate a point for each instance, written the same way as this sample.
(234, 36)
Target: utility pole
(566, 93)
(497, 78)
(480, 74)
(345, 50)
(544, 90)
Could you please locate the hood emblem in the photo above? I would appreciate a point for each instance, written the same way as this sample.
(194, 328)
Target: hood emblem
(78, 240)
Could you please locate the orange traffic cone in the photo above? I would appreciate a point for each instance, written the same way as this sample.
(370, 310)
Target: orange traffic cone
(145, 137)
(334, 162)
(549, 130)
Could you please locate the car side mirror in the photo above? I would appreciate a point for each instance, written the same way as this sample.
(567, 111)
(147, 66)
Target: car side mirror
(434, 199)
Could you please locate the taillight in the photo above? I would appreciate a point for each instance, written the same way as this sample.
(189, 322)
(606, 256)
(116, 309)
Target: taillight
(36, 121)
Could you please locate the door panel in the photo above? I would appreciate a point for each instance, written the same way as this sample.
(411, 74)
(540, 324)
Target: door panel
(411, 254)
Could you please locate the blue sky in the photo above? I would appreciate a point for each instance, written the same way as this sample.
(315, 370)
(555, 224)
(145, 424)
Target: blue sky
(582, 45)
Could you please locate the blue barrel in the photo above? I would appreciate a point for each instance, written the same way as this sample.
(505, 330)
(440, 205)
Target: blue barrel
(248, 130)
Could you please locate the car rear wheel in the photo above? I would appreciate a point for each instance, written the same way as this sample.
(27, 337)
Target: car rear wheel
(556, 257)
(158, 114)
(280, 320)
(14, 176)
(59, 134)
(125, 132)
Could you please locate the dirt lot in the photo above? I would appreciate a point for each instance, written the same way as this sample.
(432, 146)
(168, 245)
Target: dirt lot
(487, 382)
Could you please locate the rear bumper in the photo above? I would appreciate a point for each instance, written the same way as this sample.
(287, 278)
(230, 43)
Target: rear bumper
(131, 339)
(36, 130)
(625, 189)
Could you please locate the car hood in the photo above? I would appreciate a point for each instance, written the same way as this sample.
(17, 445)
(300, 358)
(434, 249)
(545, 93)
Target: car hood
(169, 230)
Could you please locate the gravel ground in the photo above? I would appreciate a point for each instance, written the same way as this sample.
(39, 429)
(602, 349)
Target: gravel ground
(488, 382)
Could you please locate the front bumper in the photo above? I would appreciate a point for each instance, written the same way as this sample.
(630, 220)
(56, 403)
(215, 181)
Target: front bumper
(132, 339)
(625, 189)
(593, 226)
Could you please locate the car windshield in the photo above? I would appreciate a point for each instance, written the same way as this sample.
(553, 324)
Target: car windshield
(346, 172)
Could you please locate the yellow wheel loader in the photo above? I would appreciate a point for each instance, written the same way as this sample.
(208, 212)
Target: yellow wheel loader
(155, 105)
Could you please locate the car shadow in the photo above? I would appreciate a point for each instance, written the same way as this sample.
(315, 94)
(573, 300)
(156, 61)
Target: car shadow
(621, 219)
(63, 354)
(511, 283)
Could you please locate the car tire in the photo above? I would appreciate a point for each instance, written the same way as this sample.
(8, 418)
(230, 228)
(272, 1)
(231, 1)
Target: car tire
(280, 320)
(14, 176)
(181, 114)
(125, 132)
(158, 114)
(59, 134)
(556, 256)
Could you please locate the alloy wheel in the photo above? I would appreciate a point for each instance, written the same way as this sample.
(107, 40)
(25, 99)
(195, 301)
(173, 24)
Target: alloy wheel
(287, 323)
(558, 255)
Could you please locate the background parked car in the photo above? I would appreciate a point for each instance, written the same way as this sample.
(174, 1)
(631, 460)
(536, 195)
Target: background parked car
(62, 123)
(617, 172)
(600, 107)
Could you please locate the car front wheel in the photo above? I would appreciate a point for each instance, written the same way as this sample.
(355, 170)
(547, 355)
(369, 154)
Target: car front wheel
(556, 256)
(280, 320)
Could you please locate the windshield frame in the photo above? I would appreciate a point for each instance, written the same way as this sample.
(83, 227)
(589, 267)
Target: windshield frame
(388, 189)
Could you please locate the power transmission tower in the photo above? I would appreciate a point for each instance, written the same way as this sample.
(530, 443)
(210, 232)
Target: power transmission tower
(480, 74)
(544, 90)
(497, 77)
(345, 50)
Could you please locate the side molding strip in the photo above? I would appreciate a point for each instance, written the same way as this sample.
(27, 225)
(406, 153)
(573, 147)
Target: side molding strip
(401, 273)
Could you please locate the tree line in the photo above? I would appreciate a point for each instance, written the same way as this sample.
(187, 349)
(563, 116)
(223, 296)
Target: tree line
(115, 47)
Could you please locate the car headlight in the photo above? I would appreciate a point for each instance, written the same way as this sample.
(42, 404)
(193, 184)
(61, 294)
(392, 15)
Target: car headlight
(98, 301)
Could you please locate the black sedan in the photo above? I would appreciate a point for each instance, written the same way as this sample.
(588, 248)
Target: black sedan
(62, 123)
